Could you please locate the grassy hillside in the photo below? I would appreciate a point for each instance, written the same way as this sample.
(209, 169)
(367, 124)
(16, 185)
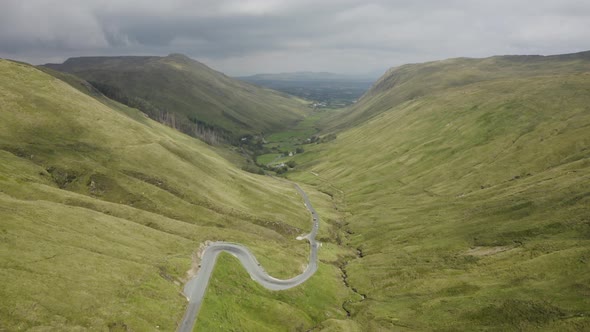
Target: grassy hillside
(413, 81)
(102, 209)
(467, 188)
(188, 95)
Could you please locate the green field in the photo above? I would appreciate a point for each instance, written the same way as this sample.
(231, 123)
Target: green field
(266, 159)
(298, 137)
(302, 131)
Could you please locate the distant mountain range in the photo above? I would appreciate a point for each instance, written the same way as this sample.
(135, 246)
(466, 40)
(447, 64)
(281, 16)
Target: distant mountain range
(328, 90)
(310, 76)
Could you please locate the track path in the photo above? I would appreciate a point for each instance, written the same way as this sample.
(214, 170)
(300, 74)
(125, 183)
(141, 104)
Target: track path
(195, 289)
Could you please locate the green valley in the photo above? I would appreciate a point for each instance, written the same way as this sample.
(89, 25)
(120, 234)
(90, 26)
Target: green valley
(325, 90)
(453, 196)
(189, 96)
(103, 211)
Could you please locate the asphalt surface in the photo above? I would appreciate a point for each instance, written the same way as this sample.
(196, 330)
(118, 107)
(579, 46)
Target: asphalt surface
(195, 289)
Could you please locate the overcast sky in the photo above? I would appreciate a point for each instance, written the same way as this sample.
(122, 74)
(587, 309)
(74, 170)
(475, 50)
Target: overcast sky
(244, 37)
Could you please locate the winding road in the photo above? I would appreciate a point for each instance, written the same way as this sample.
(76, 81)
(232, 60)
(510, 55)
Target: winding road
(195, 289)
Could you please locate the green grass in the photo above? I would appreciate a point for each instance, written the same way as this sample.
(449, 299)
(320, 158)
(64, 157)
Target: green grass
(469, 202)
(292, 139)
(299, 133)
(102, 209)
(455, 197)
(235, 302)
(413, 81)
(266, 159)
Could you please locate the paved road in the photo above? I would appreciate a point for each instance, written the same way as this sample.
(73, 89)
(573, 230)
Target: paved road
(195, 289)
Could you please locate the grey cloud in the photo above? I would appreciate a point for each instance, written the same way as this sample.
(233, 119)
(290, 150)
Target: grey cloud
(247, 36)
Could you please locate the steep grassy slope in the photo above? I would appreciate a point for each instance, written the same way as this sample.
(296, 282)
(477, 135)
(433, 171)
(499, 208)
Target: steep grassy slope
(102, 208)
(469, 201)
(412, 81)
(188, 95)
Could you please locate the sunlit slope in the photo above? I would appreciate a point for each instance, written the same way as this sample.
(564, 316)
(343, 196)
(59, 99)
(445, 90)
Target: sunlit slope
(185, 93)
(469, 203)
(102, 208)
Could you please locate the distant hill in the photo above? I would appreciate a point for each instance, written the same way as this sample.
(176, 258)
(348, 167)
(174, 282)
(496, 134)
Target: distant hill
(309, 76)
(188, 95)
(412, 81)
(326, 89)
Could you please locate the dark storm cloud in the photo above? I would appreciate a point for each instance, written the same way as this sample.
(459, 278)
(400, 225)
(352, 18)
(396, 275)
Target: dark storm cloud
(243, 36)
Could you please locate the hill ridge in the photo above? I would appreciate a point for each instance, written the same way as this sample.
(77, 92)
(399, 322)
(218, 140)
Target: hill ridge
(467, 193)
(188, 95)
(411, 81)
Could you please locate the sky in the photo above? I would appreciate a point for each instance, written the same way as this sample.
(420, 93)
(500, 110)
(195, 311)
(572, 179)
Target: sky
(242, 37)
